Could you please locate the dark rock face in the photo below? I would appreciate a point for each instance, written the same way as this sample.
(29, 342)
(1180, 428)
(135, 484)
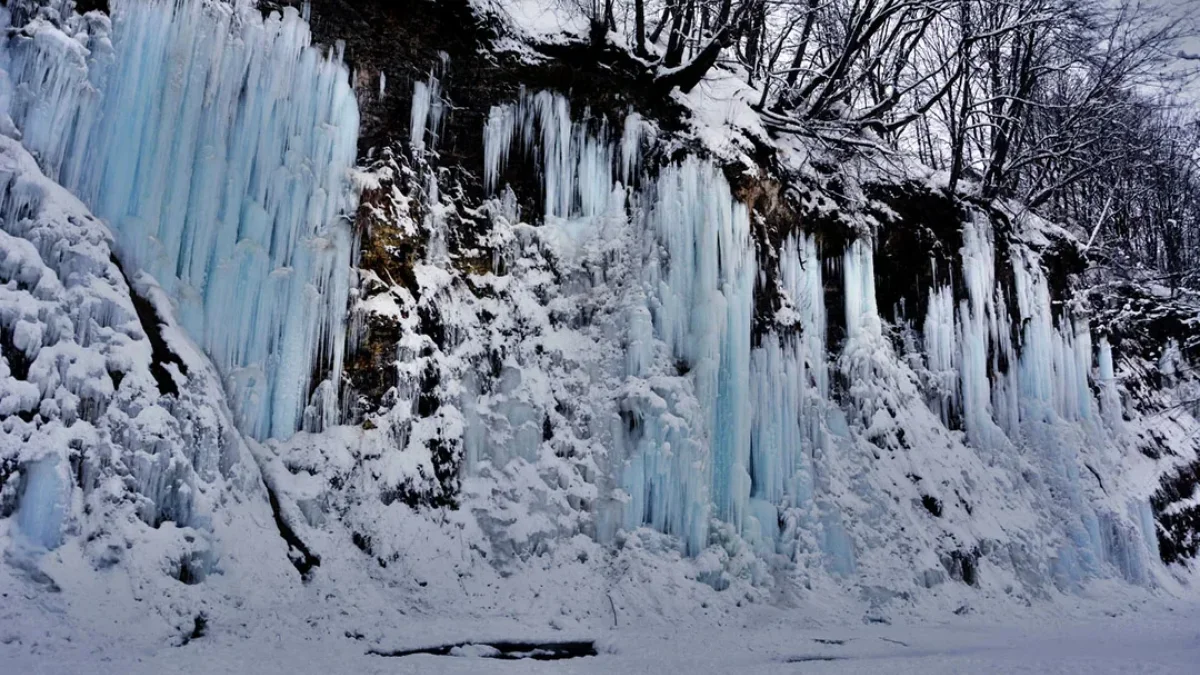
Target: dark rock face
(407, 40)
(404, 41)
(922, 224)
(1179, 528)
(85, 6)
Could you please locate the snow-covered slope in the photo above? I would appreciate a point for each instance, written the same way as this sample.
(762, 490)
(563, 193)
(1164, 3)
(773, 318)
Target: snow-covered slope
(120, 467)
(601, 368)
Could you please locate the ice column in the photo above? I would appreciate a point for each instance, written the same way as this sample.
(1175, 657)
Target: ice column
(686, 404)
(862, 311)
(217, 144)
(577, 164)
(977, 326)
(865, 357)
(789, 379)
(1055, 359)
(941, 351)
(704, 289)
(428, 109)
(1110, 398)
(44, 501)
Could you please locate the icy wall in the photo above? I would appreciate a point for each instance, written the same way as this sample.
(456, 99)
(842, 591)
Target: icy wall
(217, 144)
(589, 361)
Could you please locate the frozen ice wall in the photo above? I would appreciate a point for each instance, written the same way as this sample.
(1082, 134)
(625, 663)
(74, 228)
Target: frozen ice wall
(790, 444)
(712, 427)
(217, 144)
(1032, 397)
(686, 398)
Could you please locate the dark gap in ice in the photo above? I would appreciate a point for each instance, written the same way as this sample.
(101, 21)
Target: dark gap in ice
(362, 542)
(814, 657)
(8, 502)
(506, 650)
(898, 642)
(300, 555)
(1098, 478)
(85, 6)
(199, 629)
(160, 353)
(18, 362)
(963, 566)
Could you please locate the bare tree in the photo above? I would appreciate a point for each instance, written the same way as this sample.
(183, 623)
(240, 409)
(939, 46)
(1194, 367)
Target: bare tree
(1063, 105)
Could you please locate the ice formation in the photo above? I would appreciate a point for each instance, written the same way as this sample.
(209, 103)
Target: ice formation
(44, 502)
(604, 375)
(722, 429)
(634, 382)
(102, 404)
(688, 447)
(216, 144)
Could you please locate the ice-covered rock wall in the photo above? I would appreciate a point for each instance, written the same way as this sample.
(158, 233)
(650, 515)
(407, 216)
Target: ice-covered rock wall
(599, 362)
(689, 271)
(217, 144)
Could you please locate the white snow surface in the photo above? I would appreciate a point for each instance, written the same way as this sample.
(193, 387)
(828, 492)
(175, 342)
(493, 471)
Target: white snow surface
(1144, 636)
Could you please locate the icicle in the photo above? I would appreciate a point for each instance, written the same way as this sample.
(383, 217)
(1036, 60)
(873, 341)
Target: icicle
(941, 351)
(711, 272)
(576, 165)
(498, 136)
(1037, 366)
(862, 314)
(1005, 386)
(631, 147)
(426, 115)
(802, 279)
(976, 328)
(1110, 398)
(789, 380)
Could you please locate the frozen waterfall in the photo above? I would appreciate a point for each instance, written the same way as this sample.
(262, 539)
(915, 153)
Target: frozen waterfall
(217, 144)
(726, 431)
(714, 427)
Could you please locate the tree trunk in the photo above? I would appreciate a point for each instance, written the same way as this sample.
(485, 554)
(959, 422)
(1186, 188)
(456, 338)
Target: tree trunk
(639, 28)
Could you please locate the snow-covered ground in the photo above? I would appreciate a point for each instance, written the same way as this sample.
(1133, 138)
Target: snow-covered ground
(1135, 636)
